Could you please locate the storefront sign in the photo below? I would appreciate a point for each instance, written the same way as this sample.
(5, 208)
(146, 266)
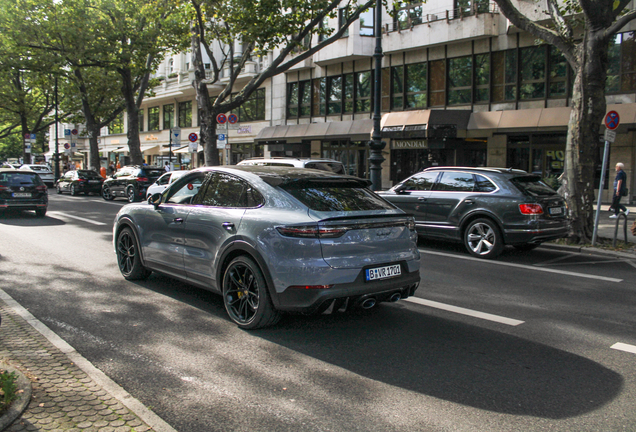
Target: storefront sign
(409, 144)
(244, 130)
(151, 138)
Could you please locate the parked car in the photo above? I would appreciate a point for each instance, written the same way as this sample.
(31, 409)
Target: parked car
(485, 208)
(23, 190)
(131, 182)
(43, 171)
(164, 181)
(80, 181)
(330, 165)
(272, 239)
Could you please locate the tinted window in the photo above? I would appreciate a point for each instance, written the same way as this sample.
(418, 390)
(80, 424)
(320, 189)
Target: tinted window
(184, 191)
(326, 166)
(456, 182)
(533, 186)
(420, 182)
(483, 184)
(343, 196)
(87, 174)
(225, 190)
(154, 173)
(20, 179)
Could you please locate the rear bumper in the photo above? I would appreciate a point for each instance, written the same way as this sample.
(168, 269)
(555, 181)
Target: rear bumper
(537, 235)
(314, 300)
(23, 205)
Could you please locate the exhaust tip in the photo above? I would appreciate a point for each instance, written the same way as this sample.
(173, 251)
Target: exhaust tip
(368, 303)
(395, 297)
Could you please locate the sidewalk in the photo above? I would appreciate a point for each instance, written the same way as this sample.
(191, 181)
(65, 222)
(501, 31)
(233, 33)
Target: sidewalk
(68, 393)
(607, 227)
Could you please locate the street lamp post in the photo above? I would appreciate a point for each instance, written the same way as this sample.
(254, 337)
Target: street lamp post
(56, 158)
(376, 144)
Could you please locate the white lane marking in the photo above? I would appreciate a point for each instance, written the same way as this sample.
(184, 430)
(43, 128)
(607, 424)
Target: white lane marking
(624, 347)
(463, 311)
(527, 267)
(55, 213)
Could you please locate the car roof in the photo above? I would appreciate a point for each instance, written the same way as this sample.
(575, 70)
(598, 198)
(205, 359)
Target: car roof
(17, 170)
(478, 169)
(278, 175)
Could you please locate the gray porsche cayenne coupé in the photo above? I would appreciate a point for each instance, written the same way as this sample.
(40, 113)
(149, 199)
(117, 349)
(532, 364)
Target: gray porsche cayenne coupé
(272, 239)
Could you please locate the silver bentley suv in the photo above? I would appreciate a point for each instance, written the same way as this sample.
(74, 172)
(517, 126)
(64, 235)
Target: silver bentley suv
(272, 240)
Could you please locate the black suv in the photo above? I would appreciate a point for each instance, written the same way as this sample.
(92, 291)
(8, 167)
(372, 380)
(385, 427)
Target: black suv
(131, 182)
(485, 208)
(23, 190)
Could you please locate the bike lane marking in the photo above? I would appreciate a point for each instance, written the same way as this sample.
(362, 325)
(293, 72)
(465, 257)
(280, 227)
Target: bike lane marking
(464, 311)
(57, 213)
(624, 347)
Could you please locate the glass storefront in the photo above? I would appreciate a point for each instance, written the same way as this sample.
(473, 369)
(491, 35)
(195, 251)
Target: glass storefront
(354, 155)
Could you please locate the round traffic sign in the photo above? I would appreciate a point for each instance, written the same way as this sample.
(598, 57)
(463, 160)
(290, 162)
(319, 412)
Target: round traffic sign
(74, 132)
(232, 118)
(193, 137)
(221, 118)
(67, 146)
(612, 120)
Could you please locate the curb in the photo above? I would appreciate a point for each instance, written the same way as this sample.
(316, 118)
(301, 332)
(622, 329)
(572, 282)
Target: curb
(18, 406)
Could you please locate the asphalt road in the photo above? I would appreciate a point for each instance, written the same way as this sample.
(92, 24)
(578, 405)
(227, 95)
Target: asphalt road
(533, 341)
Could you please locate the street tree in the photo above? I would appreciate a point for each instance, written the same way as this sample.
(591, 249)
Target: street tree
(280, 30)
(581, 30)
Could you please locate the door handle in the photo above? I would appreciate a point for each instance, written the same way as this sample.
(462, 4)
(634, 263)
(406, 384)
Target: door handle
(228, 226)
(422, 199)
(468, 201)
(177, 220)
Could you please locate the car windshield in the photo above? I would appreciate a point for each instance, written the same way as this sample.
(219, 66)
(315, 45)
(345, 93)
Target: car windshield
(533, 185)
(341, 196)
(19, 179)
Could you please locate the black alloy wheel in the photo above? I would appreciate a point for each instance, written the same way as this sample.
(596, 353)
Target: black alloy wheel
(106, 193)
(131, 195)
(128, 258)
(246, 296)
(482, 239)
(73, 191)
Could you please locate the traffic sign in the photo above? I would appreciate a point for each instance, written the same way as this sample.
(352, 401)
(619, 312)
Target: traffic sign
(193, 137)
(33, 137)
(67, 146)
(74, 131)
(221, 137)
(232, 118)
(612, 120)
(610, 136)
(221, 118)
(27, 136)
(176, 134)
(67, 132)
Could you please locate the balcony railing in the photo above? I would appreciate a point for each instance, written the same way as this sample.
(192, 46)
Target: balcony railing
(413, 15)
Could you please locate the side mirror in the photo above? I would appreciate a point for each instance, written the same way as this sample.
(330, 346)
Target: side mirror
(155, 200)
(400, 188)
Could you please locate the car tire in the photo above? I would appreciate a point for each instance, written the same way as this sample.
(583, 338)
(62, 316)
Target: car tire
(483, 239)
(131, 195)
(59, 190)
(246, 296)
(527, 246)
(41, 212)
(73, 191)
(128, 256)
(106, 194)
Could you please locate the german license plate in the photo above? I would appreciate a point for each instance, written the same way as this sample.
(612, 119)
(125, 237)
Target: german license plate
(383, 272)
(555, 210)
(93, 181)
(21, 195)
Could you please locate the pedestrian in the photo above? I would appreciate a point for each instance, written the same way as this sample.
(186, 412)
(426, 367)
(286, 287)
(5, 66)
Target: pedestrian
(111, 168)
(620, 190)
(167, 166)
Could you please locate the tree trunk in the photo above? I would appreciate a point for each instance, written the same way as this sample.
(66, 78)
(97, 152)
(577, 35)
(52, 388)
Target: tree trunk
(132, 112)
(93, 136)
(588, 109)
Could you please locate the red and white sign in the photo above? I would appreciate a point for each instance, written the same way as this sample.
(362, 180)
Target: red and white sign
(221, 118)
(612, 120)
(193, 137)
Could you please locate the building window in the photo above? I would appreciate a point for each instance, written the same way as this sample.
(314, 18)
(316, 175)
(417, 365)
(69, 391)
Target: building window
(140, 119)
(299, 99)
(292, 99)
(438, 83)
(459, 80)
(397, 88)
(482, 78)
(171, 66)
(342, 20)
(504, 68)
(386, 89)
(117, 125)
(334, 89)
(324, 29)
(348, 93)
(558, 74)
(470, 7)
(253, 108)
(533, 63)
(153, 118)
(416, 85)
(621, 74)
(367, 22)
(168, 116)
(354, 155)
(319, 97)
(185, 114)
(409, 13)
(363, 91)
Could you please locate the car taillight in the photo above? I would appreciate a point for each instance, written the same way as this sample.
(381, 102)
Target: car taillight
(41, 188)
(531, 209)
(81, 180)
(142, 179)
(312, 231)
(4, 189)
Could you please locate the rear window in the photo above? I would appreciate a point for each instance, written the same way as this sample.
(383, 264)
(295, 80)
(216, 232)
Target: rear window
(533, 186)
(342, 196)
(84, 174)
(19, 179)
(154, 173)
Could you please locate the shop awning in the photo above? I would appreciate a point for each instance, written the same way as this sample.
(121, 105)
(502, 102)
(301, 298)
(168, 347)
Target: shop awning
(119, 150)
(186, 150)
(425, 123)
(352, 129)
(149, 148)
